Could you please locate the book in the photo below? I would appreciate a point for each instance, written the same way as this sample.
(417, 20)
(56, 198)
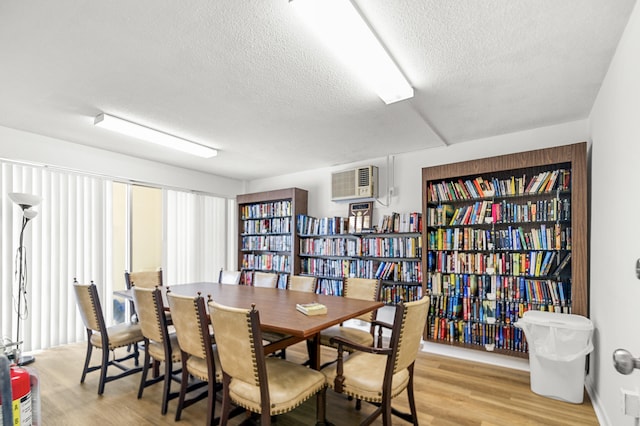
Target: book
(562, 265)
(313, 308)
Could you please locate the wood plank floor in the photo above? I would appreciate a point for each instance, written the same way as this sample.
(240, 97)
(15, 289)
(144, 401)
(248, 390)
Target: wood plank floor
(448, 392)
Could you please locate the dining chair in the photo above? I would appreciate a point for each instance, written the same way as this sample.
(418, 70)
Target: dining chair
(377, 375)
(108, 339)
(160, 345)
(229, 277)
(265, 279)
(302, 283)
(198, 354)
(356, 288)
(146, 279)
(264, 385)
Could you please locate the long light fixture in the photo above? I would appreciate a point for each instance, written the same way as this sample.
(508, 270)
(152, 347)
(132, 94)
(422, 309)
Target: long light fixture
(154, 136)
(341, 27)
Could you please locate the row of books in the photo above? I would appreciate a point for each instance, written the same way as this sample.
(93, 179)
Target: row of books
(267, 226)
(399, 271)
(490, 336)
(502, 311)
(409, 247)
(267, 242)
(265, 210)
(328, 246)
(329, 287)
(511, 238)
(309, 225)
(400, 222)
(392, 295)
(531, 211)
(479, 187)
(267, 262)
(534, 263)
(401, 247)
(500, 287)
(488, 212)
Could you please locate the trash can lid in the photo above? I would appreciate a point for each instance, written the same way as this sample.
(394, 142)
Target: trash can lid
(558, 320)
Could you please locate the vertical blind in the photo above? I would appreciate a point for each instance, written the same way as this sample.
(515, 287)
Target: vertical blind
(196, 230)
(66, 240)
(71, 238)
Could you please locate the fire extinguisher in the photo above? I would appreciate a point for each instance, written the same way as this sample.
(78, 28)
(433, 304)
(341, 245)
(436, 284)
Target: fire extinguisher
(21, 405)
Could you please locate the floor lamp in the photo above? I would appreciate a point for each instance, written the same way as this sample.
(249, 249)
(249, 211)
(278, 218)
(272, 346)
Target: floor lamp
(26, 202)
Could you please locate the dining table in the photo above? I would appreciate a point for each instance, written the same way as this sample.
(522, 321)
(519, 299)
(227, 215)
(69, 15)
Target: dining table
(277, 310)
(278, 314)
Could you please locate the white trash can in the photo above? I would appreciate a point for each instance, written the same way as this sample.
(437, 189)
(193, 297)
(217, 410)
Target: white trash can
(558, 346)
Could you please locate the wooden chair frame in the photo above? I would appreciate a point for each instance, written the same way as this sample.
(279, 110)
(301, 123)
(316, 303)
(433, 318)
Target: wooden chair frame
(105, 343)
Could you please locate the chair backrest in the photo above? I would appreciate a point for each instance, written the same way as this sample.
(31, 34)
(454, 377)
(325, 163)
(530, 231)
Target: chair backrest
(301, 283)
(264, 279)
(190, 319)
(89, 306)
(151, 315)
(229, 277)
(146, 279)
(363, 289)
(408, 326)
(238, 338)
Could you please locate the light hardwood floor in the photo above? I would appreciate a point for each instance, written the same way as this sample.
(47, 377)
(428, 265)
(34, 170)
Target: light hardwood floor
(448, 392)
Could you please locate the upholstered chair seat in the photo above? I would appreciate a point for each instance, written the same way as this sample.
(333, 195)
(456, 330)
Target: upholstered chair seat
(119, 335)
(361, 337)
(289, 386)
(364, 376)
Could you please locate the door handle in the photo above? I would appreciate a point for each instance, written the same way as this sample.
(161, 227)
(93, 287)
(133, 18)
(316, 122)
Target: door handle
(624, 362)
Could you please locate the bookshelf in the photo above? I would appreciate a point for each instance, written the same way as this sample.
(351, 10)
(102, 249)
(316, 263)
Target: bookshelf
(331, 253)
(503, 235)
(267, 239)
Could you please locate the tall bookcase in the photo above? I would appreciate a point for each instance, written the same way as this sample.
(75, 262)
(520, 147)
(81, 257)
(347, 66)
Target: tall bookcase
(330, 253)
(504, 235)
(267, 239)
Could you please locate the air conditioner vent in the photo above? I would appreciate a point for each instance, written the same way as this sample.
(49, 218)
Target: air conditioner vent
(355, 184)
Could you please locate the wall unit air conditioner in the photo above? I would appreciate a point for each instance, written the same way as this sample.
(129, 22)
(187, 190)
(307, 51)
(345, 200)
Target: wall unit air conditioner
(354, 184)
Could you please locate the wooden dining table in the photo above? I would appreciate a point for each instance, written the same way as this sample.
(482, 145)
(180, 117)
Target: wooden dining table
(277, 308)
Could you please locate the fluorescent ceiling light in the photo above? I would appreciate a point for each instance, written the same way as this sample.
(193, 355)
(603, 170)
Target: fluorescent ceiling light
(154, 136)
(345, 32)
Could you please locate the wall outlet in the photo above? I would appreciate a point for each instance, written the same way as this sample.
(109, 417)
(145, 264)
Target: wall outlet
(630, 403)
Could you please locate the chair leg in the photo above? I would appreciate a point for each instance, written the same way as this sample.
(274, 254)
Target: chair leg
(103, 369)
(412, 402)
(86, 361)
(183, 387)
(166, 390)
(211, 401)
(226, 400)
(145, 371)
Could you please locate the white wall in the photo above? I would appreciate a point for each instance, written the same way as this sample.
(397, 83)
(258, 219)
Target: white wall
(18, 145)
(405, 170)
(615, 224)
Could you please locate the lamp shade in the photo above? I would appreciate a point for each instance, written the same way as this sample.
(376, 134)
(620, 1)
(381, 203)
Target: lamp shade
(29, 214)
(25, 201)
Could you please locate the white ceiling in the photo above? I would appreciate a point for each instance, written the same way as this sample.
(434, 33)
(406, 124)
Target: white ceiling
(246, 77)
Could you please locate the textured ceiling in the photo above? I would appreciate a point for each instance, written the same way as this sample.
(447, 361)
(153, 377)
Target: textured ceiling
(246, 77)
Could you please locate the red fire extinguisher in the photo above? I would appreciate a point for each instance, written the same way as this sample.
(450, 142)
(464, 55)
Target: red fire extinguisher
(21, 395)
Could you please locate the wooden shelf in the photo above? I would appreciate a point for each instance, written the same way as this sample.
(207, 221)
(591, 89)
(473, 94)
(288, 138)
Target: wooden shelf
(569, 157)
